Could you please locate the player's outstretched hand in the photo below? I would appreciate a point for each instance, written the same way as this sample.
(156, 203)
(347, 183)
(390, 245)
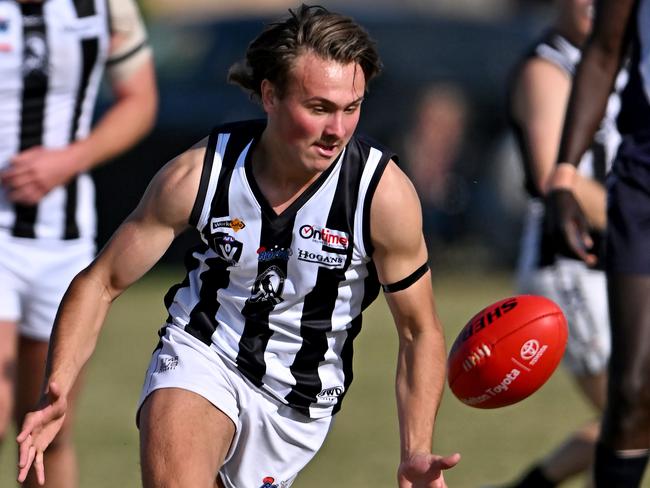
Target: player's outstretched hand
(39, 429)
(567, 223)
(424, 470)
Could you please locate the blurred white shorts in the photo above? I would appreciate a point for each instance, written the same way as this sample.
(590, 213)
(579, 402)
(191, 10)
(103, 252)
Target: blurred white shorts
(272, 442)
(581, 293)
(34, 275)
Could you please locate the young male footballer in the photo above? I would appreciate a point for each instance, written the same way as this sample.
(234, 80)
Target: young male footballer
(297, 217)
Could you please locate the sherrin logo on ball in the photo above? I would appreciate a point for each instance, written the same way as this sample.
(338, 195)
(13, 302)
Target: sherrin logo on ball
(507, 351)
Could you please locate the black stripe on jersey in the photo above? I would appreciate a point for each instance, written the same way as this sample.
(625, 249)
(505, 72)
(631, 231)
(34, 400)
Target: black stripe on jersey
(85, 8)
(370, 293)
(89, 54)
(208, 161)
(256, 310)
(35, 85)
(191, 263)
(318, 308)
(203, 318)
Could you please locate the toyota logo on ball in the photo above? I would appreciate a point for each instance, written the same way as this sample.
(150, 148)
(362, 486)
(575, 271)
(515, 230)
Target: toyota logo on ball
(529, 349)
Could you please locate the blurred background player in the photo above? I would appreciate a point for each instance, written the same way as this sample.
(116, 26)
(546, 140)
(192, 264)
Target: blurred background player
(53, 54)
(433, 147)
(538, 98)
(621, 28)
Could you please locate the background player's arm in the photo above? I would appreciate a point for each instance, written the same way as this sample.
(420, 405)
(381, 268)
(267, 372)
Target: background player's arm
(539, 104)
(136, 246)
(396, 229)
(36, 171)
(601, 60)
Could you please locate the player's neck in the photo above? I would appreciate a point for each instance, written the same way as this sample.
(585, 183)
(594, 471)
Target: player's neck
(280, 182)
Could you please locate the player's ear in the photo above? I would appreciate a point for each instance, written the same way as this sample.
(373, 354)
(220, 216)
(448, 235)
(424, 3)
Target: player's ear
(269, 95)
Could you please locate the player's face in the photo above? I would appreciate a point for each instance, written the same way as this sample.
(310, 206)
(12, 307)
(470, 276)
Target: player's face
(316, 117)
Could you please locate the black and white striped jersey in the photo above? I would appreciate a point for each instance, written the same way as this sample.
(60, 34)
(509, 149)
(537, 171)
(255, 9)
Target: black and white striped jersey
(52, 57)
(537, 249)
(281, 296)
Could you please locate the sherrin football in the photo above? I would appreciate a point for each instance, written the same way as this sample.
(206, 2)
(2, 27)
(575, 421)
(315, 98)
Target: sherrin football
(507, 351)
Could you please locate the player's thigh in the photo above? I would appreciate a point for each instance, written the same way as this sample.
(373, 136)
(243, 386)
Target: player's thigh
(184, 439)
(8, 337)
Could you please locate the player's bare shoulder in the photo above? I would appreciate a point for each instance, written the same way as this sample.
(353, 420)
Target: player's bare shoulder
(172, 192)
(395, 214)
(395, 202)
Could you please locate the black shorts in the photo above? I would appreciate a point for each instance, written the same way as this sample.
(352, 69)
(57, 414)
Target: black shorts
(628, 214)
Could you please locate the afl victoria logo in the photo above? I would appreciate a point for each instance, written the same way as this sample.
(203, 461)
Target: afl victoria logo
(529, 350)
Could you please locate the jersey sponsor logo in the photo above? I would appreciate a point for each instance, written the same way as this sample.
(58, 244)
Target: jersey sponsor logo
(331, 394)
(268, 287)
(329, 260)
(227, 248)
(280, 253)
(269, 482)
(234, 224)
(333, 239)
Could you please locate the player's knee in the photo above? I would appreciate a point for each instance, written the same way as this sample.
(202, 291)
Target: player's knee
(630, 404)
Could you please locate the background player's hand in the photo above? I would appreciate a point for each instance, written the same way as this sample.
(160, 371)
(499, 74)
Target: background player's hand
(566, 222)
(39, 429)
(35, 172)
(424, 470)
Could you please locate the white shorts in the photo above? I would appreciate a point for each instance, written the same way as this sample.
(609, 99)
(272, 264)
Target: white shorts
(272, 442)
(34, 275)
(581, 293)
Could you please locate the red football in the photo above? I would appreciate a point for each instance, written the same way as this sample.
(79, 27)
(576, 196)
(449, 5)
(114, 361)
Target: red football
(507, 351)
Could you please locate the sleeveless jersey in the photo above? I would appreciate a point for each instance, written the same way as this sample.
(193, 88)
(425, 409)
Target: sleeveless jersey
(281, 296)
(52, 57)
(537, 248)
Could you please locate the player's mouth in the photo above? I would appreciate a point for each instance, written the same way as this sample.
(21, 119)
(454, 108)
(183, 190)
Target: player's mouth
(326, 150)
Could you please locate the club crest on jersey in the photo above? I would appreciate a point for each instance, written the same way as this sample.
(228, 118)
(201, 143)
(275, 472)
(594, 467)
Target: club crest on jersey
(221, 223)
(227, 248)
(36, 55)
(333, 239)
(268, 287)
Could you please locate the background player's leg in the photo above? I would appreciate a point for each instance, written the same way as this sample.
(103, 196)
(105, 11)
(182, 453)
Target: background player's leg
(184, 440)
(60, 458)
(8, 345)
(625, 437)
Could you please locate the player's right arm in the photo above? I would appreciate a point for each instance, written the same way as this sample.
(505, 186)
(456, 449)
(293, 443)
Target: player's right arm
(539, 103)
(595, 77)
(136, 246)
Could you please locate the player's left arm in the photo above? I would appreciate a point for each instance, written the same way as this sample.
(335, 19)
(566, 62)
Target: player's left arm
(36, 171)
(399, 255)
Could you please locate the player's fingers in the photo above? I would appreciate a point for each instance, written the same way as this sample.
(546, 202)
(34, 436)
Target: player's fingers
(448, 462)
(24, 467)
(39, 467)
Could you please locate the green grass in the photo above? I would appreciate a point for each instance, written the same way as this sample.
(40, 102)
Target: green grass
(362, 450)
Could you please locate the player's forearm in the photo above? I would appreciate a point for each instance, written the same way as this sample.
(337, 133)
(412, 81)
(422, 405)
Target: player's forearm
(593, 199)
(591, 88)
(419, 385)
(76, 329)
(121, 127)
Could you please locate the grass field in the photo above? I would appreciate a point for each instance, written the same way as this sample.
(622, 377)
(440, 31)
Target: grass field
(362, 450)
